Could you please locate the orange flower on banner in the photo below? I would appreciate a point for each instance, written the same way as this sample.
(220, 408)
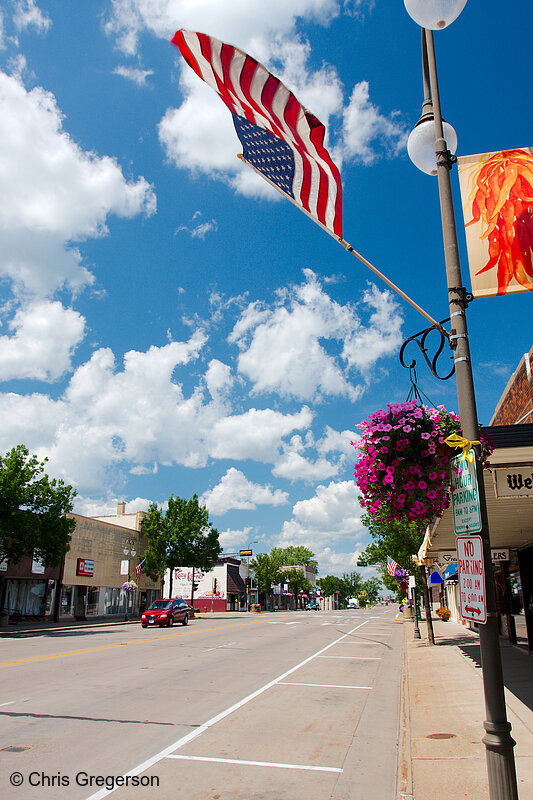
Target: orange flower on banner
(502, 199)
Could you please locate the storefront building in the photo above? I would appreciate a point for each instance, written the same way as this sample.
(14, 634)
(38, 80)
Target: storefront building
(228, 586)
(88, 585)
(509, 493)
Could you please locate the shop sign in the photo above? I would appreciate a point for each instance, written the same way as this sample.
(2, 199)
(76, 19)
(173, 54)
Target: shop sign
(444, 558)
(513, 482)
(85, 567)
(500, 555)
(465, 496)
(471, 573)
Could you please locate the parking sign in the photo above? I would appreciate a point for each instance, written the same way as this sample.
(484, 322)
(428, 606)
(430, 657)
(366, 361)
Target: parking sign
(471, 573)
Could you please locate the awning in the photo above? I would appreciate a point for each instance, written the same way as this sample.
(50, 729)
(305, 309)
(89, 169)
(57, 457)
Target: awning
(450, 570)
(236, 584)
(435, 578)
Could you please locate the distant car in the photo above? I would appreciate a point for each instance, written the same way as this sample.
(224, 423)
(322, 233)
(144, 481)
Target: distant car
(166, 612)
(313, 605)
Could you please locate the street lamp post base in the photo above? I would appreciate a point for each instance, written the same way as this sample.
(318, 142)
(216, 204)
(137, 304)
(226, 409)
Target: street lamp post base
(500, 761)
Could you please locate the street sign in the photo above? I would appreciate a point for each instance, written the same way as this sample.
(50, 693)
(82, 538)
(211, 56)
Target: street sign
(471, 572)
(465, 496)
(245, 552)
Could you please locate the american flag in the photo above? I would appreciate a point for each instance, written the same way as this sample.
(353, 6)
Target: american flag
(280, 138)
(392, 566)
(139, 569)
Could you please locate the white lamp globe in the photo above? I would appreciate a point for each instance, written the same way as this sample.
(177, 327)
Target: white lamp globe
(434, 14)
(421, 145)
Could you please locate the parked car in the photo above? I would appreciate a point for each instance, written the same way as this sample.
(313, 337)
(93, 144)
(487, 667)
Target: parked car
(313, 605)
(166, 612)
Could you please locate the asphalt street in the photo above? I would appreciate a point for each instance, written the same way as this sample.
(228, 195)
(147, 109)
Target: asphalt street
(279, 706)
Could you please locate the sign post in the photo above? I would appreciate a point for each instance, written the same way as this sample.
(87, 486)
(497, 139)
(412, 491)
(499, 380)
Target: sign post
(471, 572)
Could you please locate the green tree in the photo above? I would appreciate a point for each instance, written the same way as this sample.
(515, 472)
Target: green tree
(179, 536)
(372, 587)
(33, 509)
(294, 555)
(331, 584)
(352, 584)
(400, 540)
(297, 581)
(267, 572)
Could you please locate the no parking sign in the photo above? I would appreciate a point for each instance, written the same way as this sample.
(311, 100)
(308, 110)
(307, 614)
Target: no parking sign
(471, 572)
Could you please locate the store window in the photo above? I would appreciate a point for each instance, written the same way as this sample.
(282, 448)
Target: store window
(67, 601)
(93, 594)
(25, 597)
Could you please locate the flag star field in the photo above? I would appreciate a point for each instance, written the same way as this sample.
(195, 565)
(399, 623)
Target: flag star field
(169, 322)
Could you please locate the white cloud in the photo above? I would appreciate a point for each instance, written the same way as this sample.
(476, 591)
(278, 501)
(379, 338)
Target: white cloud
(29, 15)
(293, 464)
(44, 338)
(255, 434)
(134, 74)
(237, 21)
(333, 562)
(218, 379)
(336, 441)
(381, 337)
(332, 515)
(288, 349)
(137, 417)
(53, 192)
(88, 507)
(233, 540)
(234, 490)
(199, 230)
(364, 126)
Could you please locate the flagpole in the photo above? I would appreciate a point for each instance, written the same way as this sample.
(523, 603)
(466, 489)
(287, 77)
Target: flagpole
(347, 246)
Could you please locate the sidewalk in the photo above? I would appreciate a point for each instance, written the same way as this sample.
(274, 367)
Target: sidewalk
(443, 712)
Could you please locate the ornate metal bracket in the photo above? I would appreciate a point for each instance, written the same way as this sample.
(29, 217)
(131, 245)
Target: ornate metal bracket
(420, 339)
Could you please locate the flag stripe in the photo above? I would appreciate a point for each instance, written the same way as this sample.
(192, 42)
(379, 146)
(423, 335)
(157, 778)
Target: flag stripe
(392, 566)
(252, 93)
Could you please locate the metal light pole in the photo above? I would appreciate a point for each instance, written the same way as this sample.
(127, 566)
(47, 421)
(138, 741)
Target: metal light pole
(129, 550)
(249, 584)
(498, 741)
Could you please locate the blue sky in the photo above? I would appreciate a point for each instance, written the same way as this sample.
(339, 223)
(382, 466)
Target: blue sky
(168, 324)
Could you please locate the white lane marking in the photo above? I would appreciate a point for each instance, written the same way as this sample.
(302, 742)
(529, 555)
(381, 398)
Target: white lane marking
(296, 622)
(10, 702)
(256, 763)
(325, 685)
(220, 646)
(356, 658)
(140, 768)
(353, 658)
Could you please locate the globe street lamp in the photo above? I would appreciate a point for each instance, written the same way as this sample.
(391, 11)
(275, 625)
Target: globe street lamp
(435, 154)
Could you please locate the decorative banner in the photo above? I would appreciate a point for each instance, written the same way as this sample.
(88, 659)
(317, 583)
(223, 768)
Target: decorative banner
(497, 196)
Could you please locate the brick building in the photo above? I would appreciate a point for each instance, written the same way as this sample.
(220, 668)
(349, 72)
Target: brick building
(516, 403)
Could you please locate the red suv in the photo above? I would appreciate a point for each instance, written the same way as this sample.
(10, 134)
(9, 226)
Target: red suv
(166, 612)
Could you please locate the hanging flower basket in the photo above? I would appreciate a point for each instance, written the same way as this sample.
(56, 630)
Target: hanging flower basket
(129, 586)
(403, 471)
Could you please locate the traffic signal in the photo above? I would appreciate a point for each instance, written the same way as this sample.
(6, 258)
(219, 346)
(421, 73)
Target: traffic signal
(195, 586)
